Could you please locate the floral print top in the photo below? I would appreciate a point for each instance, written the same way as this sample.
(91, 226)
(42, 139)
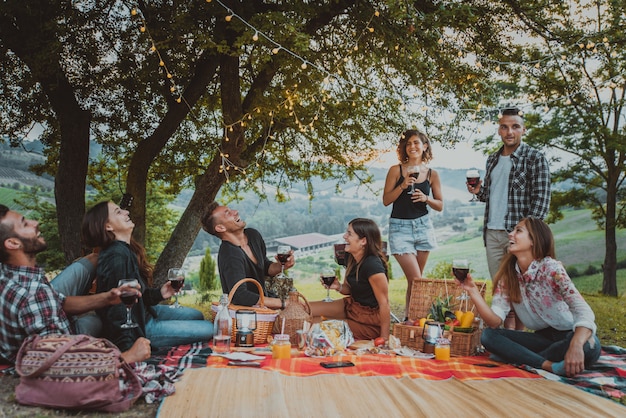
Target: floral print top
(549, 299)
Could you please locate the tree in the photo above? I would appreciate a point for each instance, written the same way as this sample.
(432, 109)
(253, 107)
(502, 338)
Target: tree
(255, 95)
(576, 78)
(206, 276)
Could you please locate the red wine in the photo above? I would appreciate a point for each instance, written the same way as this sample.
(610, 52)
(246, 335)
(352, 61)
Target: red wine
(177, 284)
(282, 258)
(129, 298)
(460, 274)
(473, 181)
(328, 280)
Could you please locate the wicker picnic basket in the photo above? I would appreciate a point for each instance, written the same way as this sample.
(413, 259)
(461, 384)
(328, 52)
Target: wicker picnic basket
(423, 292)
(265, 317)
(294, 314)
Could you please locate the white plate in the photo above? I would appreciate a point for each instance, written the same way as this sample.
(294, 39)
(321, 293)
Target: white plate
(239, 356)
(409, 352)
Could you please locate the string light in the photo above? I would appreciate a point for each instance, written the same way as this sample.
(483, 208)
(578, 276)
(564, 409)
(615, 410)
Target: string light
(335, 76)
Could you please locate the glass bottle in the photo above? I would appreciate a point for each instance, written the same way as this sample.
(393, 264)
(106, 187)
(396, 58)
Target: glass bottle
(281, 347)
(442, 349)
(222, 327)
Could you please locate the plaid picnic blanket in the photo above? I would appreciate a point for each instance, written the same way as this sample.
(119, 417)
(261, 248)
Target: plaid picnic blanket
(606, 378)
(463, 368)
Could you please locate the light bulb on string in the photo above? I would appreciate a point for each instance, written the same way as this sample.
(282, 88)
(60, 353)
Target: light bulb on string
(228, 18)
(255, 37)
(275, 50)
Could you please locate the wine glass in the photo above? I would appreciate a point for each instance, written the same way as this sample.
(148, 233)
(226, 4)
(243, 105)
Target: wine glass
(283, 255)
(412, 171)
(176, 276)
(129, 298)
(328, 277)
(460, 269)
(473, 177)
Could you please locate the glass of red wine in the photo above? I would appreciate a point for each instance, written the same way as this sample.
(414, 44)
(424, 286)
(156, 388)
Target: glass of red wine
(328, 277)
(129, 298)
(473, 177)
(282, 253)
(412, 171)
(176, 276)
(460, 269)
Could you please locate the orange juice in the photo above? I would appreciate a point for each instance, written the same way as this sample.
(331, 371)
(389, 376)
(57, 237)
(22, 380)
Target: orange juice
(281, 348)
(442, 350)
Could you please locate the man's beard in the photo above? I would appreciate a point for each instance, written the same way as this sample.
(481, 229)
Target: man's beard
(33, 246)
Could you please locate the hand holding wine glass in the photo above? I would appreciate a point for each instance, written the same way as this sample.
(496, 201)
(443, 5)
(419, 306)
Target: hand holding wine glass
(473, 178)
(282, 253)
(460, 269)
(176, 277)
(129, 298)
(414, 172)
(328, 277)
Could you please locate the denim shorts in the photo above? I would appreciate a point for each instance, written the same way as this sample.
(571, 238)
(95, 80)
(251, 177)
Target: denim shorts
(407, 236)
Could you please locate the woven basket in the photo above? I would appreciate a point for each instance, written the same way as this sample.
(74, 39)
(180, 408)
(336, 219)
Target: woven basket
(425, 291)
(265, 317)
(294, 315)
(461, 343)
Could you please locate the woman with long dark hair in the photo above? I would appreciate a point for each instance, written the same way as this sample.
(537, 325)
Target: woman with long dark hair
(109, 228)
(531, 281)
(366, 305)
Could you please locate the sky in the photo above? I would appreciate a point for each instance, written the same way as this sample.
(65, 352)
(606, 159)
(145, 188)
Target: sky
(462, 156)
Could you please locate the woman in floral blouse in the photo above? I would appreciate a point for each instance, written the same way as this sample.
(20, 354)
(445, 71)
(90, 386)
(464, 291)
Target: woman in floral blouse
(537, 286)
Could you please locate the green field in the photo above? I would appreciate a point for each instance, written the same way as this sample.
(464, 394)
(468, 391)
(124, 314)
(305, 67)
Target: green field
(578, 244)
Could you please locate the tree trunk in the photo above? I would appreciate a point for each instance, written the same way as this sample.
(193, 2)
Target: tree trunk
(70, 179)
(32, 34)
(609, 268)
(149, 148)
(183, 236)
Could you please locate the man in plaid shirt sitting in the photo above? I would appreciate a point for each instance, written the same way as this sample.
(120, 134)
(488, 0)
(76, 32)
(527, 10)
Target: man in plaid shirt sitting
(29, 304)
(516, 185)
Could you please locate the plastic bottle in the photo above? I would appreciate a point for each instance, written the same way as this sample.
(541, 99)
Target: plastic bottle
(222, 327)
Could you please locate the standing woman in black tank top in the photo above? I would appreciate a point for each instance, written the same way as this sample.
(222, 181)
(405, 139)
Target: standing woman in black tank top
(411, 231)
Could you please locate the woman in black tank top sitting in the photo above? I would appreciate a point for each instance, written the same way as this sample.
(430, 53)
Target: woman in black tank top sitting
(413, 188)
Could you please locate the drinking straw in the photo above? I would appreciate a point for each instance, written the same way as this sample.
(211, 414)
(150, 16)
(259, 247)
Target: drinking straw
(282, 328)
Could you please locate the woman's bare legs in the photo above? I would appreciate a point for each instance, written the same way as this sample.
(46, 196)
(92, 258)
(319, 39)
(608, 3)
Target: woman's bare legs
(411, 269)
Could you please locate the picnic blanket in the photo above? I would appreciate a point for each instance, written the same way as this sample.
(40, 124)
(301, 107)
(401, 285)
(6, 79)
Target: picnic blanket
(464, 368)
(606, 378)
(246, 392)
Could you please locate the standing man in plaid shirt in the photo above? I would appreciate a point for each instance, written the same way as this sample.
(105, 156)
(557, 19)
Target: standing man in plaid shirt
(28, 303)
(516, 185)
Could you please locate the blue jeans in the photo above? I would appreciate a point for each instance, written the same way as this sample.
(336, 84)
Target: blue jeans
(179, 326)
(76, 280)
(533, 348)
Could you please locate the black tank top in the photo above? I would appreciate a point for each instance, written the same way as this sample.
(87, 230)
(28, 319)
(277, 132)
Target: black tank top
(403, 207)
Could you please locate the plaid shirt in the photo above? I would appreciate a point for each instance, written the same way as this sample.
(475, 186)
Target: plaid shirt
(529, 186)
(28, 305)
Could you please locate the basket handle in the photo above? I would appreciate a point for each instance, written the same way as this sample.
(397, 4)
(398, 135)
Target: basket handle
(306, 302)
(247, 280)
